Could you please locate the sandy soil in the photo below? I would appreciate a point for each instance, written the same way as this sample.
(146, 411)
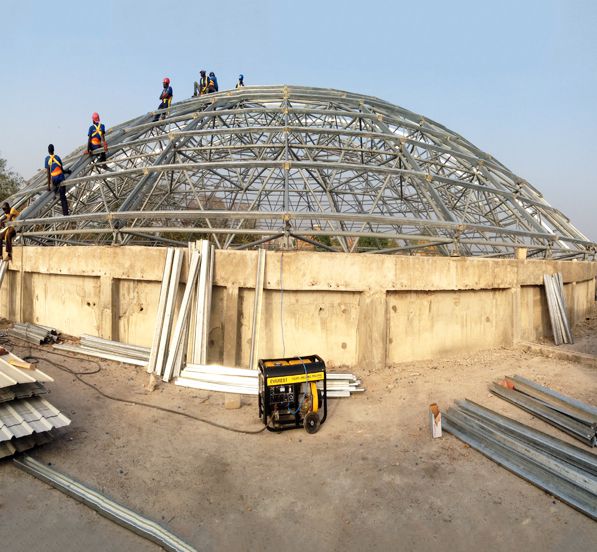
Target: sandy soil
(372, 478)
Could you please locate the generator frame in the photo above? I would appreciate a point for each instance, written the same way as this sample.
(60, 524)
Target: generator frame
(292, 373)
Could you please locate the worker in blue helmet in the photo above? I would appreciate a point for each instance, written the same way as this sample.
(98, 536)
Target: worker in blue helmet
(241, 81)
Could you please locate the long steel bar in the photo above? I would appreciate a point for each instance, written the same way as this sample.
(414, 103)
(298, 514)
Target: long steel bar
(104, 506)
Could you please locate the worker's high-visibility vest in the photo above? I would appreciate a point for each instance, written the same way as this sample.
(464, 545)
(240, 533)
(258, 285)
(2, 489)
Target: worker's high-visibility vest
(54, 171)
(203, 83)
(96, 136)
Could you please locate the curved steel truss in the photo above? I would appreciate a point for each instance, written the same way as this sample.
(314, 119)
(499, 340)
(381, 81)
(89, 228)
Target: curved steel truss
(290, 165)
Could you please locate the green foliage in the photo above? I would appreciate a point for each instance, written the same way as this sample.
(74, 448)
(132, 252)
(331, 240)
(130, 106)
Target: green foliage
(10, 181)
(374, 243)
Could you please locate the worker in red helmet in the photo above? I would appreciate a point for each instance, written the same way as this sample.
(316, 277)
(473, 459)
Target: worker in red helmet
(96, 137)
(165, 97)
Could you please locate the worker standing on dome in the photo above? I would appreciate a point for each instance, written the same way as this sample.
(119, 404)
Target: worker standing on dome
(241, 82)
(200, 88)
(56, 171)
(7, 234)
(96, 136)
(213, 83)
(165, 97)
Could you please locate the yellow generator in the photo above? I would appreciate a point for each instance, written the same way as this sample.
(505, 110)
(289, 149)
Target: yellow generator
(289, 396)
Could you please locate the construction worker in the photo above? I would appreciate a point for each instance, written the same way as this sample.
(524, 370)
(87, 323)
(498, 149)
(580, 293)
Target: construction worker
(200, 88)
(165, 97)
(97, 137)
(9, 232)
(213, 82)
(241, 82)
(56, 171)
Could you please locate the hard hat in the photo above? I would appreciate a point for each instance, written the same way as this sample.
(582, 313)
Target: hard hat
(95, 118)
(202, 72)
(212, 74)
(166, 80)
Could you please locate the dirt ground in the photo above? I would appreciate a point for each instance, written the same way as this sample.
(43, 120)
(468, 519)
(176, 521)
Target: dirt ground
(372, 478)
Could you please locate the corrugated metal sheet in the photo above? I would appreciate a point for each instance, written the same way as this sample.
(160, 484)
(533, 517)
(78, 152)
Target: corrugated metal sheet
(22, 391)
(8, 448)
(11, 375)
(24, 417)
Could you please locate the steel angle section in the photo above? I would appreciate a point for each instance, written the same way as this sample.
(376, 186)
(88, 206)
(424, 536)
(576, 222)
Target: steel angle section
(201, 300)
(259, 283)
(105, 506)
(169, 312)
(222, 388)
(567, 405)
(552, 309)
(161, 311)
(99, 354)
(556, 447)
(207, 304)
(578, 477)
(183, 317)
(534, 406)
(522, 466)
(223, 370)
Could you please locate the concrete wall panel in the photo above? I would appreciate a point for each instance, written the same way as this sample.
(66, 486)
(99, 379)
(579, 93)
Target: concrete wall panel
(353, 310)
(69, 303)
(423, 325)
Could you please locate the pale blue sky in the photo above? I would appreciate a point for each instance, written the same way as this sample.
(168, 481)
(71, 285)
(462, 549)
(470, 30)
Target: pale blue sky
(516, 78)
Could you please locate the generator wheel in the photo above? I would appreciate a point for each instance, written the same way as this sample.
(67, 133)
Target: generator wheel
(311, 422)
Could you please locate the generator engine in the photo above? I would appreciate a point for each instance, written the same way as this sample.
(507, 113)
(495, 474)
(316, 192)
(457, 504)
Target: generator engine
(289, 396)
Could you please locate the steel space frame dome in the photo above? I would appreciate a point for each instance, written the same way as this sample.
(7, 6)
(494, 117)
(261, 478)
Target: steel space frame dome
(293, 165)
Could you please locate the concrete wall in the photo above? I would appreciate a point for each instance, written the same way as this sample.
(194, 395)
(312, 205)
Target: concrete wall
(351, 309)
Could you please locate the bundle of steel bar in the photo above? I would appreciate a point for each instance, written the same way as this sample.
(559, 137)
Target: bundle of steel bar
(246, 382)
(574, 417)
(34, 333)
(565, 471)
(111, 350)
(556, 304)
(115, 347)
(172, 341)
(26, 418)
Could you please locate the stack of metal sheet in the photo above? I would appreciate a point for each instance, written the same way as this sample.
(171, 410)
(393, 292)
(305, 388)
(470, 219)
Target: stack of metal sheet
(246, 382)
(565, 471)
(570, 415)
(34, 333)
(26, 419)
(554, 290)
(110, 350)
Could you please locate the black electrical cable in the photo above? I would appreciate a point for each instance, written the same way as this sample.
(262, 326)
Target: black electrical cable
(78, 375)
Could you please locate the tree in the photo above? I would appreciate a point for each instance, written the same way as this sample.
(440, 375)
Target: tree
(10, 181)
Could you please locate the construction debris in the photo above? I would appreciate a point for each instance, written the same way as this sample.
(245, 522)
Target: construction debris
(34, 333)
(574, 417)
(565, 471)
(102, 505)
(26, 419)
(246, 382)
(554, 290)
